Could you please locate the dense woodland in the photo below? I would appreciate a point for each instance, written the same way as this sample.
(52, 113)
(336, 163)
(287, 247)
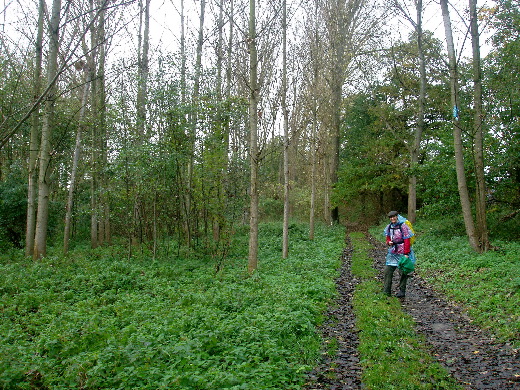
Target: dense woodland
(307, 110)
(177, 176)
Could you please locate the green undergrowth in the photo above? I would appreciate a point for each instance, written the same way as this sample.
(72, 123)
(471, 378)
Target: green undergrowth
(486, 285)
(392, 354)
(97, 320)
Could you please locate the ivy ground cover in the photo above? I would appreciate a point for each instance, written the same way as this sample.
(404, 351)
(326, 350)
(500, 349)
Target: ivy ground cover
(101, 320)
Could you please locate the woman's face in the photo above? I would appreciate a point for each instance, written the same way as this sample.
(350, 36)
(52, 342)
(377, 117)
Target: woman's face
(393, 219)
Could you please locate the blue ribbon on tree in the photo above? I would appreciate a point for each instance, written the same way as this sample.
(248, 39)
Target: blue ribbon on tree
(455, 113)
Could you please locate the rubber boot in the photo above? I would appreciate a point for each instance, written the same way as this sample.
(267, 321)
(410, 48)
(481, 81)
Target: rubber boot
(402, 286)
(389, 273)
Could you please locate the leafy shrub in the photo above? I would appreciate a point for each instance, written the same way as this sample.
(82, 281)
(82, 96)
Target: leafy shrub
(13, 211)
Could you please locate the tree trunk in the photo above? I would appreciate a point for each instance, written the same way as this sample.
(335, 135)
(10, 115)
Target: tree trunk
(285, 246)
(186, 199)
(314, 161)
(482, 230)
(222, 129)
(416, 148)
(32, 188)
(104, 231)
(457, 131)
(183, 57)
(42, 217)
(253, 128)
(142, 76)
(142, 135)
(312, 211)
(327, 188)
(75, 160)
(193, 123)
(94, 152)
(334, 136)
(342, 23)
(229, 70)
(220, 51)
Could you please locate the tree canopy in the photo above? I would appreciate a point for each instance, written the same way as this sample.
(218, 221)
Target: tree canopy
(163, 133)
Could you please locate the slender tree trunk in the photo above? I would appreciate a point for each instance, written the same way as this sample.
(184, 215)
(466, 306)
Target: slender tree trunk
(482, 230)
(183, 56)
(220, 51)
(315, 57)
(285, 246)
(342, 23)
(94, 135)
(141, 111)
(75, 161)
(326, 196)
(253, 128)
(143, 71)
(42, 216)
(457, 131)
(32, 188)
(193, 123)
(229, 70)
(312, 211)
(414, 155)
(104, 231)
(334, 137)
(222, 128)
(187, 192)
(98, 36)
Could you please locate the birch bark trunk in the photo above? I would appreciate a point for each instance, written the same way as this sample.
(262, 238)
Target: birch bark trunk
(42, 216)
(32, 188)
(285, 246)
(253, 128)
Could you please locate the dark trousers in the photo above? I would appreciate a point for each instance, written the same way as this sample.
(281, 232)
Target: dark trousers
(389, 273)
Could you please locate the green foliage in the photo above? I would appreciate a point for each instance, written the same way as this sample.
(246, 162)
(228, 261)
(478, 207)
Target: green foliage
(503, 225)
(486, 284)
(502, 77)
(13, 210)
(373, 161)
(379, 127)
(379, 123)
(96, 320)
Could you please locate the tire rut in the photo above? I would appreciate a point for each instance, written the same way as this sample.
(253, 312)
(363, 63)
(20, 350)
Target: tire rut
(340, 372)
(471, 355)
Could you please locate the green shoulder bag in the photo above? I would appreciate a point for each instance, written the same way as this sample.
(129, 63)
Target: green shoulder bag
(405, 265)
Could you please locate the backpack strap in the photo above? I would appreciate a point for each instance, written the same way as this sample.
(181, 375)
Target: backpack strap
(395, 228)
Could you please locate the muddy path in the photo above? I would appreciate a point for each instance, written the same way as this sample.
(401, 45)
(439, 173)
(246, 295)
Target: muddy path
(472, 356)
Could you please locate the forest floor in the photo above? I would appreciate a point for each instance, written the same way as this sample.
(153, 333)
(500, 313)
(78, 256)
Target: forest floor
(471, 355)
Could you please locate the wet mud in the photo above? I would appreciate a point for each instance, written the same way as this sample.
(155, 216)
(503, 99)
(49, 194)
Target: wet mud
(470, 354)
